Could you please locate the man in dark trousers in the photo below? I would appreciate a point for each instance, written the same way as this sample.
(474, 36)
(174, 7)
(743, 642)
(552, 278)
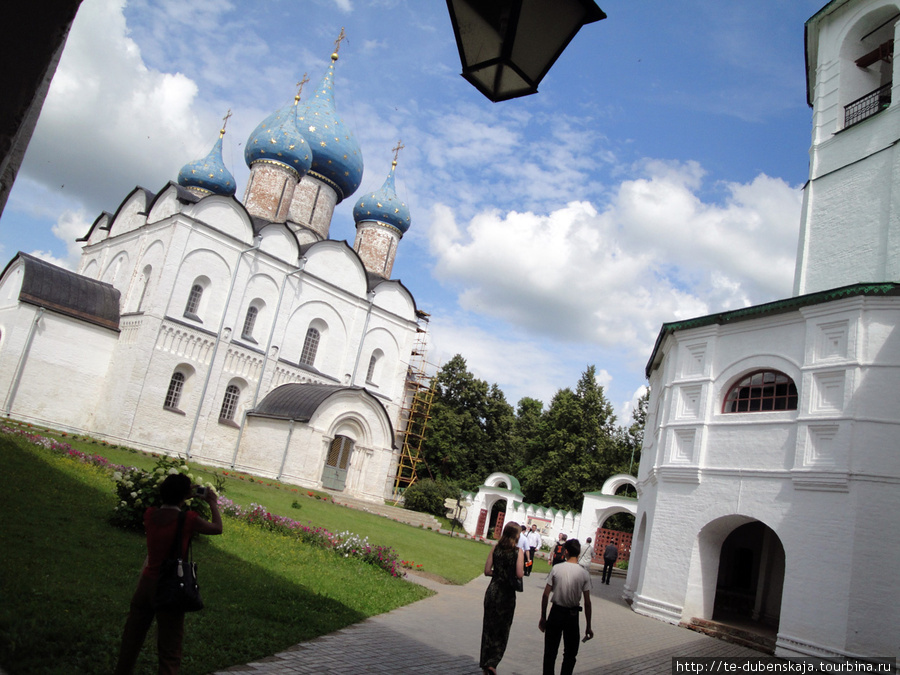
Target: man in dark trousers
(610, 555)
(570, 583)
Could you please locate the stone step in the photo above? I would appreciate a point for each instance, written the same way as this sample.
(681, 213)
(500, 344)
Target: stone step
(414, 518)
(762, 639)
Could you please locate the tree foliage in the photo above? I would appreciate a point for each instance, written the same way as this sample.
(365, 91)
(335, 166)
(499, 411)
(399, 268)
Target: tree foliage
(557, 454)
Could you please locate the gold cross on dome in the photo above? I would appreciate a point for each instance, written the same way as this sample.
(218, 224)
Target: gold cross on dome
(337, 43)
(224, 123)
(397, 150)
(300, 87)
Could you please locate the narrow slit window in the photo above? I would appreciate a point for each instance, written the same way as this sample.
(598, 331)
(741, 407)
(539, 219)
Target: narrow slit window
(173, 395)
(310, 347)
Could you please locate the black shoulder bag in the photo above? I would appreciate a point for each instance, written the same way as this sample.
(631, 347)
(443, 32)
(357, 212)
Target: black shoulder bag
(177, 589)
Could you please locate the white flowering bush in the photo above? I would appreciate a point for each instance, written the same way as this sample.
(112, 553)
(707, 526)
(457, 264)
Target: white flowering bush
(138, 490)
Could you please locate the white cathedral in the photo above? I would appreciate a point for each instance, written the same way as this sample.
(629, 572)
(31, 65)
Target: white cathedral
(769, 485)
(233, 333)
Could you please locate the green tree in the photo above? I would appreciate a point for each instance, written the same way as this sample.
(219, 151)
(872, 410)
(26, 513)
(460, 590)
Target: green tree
(582, 446)
(470, 428)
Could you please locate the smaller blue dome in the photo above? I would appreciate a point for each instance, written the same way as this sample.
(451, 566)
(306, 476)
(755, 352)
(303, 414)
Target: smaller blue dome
(383, 206)
(209, 173)
(277, 139)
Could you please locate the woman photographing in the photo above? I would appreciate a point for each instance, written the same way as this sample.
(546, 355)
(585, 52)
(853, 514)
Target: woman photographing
(161, 525)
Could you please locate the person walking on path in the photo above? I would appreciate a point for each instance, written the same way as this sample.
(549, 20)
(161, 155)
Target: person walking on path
(569, 583)
(505, 565)
(534, 542)
(559, 551)
(610, 555)
(161, 527)
(526, 549)
(587, 555)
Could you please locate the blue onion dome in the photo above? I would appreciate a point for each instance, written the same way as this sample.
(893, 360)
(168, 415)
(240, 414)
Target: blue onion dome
(384, 206)
(337, 158)
(208, 174)
(277, 139)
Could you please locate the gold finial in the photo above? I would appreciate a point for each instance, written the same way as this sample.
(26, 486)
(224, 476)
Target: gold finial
(397, 150)
(337, 44)
(300, 88)
(224, 123)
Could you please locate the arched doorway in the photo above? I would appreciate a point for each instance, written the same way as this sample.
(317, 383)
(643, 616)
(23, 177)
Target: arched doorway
(498, 516)
(750, 576)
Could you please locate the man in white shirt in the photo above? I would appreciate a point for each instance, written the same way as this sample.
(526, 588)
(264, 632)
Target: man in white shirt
(569, 583)
(534, 543)
(523, 544)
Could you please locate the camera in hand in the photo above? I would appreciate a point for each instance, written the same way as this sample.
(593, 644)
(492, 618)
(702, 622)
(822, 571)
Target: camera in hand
(199, 491)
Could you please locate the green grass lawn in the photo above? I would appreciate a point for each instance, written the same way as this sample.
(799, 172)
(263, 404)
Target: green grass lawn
(456, 560)
(66, 575)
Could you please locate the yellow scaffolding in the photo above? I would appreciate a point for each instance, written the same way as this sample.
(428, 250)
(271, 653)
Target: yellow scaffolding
(416, 410)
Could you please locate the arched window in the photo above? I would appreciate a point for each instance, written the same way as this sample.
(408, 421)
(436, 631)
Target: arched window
(193, 302)
(229, 403)
(310, 347)
(867, 69)
(173, 395)
(764, 390)
(374, 371)
(249, 323)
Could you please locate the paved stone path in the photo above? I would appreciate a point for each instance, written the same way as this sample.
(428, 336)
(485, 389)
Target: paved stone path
(442, 635)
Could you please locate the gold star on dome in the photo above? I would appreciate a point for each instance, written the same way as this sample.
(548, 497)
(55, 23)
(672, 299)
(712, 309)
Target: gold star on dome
(378, 204)
(212, 175)
(322, 143)
(272, 141)
(312, 129)
(291, 146)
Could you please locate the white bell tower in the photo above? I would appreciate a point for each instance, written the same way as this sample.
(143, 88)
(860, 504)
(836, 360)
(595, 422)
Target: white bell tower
(850, 227)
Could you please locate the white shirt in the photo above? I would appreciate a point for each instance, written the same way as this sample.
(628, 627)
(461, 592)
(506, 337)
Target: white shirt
(523, 541)
(569, 582)
(534, 539)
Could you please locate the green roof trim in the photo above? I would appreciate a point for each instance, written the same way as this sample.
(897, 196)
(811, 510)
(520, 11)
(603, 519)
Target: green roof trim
(795, 303)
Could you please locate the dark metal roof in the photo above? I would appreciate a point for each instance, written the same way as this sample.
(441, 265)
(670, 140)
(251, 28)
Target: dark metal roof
(770, 308)
(57, 289)
(299, 401)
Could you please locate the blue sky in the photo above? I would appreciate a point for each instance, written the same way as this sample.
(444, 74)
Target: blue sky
(656, 175)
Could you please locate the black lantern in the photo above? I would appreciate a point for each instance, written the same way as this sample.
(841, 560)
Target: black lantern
(507, 46)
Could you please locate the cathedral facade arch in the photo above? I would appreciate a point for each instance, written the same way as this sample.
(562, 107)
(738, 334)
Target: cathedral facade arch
(332, 345)
(140, 295)
(382, 346)
(395, 298)
(118, 272)
(209, 270)
(337, 264)
(225, 215)
(279, 242)
(131, 213)
(255, 309)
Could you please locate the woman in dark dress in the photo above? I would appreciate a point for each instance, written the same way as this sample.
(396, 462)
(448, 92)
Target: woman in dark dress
(504, 565)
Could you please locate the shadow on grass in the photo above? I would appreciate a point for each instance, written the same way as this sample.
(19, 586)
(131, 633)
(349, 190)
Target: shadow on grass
(66, 578)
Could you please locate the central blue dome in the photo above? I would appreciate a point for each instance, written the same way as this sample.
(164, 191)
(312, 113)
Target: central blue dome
(277, 139)
(336, 156)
